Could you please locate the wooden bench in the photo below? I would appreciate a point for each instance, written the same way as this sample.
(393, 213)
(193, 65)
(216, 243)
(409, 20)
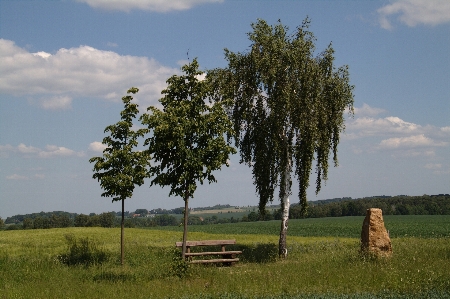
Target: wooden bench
(228, 257)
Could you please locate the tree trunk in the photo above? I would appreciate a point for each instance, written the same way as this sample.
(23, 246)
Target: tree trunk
(185, 230)
(285, 204)
(282, 248)
(122, 226)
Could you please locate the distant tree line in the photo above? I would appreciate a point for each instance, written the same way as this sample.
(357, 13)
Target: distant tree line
(177, 211)
(107, 220)
(20, 218)
(60, 220)
(396, 205)
(337, 207)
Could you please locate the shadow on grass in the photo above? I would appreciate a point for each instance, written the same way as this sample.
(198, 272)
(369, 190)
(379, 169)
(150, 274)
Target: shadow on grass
(257, 253)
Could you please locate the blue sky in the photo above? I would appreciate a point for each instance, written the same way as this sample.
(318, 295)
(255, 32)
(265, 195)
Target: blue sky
(64, 66)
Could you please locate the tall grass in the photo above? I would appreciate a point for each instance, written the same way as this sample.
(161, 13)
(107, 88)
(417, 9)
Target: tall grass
(317, 267)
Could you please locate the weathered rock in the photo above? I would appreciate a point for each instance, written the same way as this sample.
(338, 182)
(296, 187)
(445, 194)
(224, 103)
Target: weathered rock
(374, 237)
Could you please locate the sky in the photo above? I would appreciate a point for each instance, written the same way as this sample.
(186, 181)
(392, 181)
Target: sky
(64, 66)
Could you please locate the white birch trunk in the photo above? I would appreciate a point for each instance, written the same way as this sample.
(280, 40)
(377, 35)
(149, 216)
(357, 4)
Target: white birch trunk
(285, 204)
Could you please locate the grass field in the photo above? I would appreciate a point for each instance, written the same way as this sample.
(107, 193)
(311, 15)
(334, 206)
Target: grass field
(323, 262)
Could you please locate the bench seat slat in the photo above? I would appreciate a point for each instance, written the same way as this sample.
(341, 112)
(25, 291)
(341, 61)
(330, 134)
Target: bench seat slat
(213, 253)
(214, 261)
(207, 243)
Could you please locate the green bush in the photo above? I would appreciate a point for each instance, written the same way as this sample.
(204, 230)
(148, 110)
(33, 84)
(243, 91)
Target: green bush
(82, 252)
(179, 267)
(13, 227)
(260, 253)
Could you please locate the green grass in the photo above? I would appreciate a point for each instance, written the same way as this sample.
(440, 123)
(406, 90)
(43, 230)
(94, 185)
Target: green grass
(320, 265)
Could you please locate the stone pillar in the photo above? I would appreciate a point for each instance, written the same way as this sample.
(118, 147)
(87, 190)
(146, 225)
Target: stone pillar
(374, 237)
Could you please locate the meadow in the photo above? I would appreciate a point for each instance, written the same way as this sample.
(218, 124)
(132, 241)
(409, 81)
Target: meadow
(323, 262)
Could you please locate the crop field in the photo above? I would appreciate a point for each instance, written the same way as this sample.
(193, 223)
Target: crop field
(220, 211)
(422, 226)
(236, 213)
(323, 262)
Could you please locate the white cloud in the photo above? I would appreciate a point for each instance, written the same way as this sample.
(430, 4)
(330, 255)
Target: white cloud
(57, 103)
(75, 72)
(414, 12)
(366, 110)
(401, 138)
(31, 151)
(22, 148)
(183, 62)
(58, 151)
(42, 54)
(433, 166)
(368, 126)
(16, 177)
(201, 77)
(409, 142)
(151, 5)
(413, 153)
(97, 146)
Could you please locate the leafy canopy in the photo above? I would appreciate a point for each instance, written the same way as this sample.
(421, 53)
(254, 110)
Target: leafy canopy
(189, 135)
(121, 167)
(287, 106)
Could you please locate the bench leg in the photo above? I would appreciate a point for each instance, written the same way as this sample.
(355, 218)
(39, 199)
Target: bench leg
(228, 264)
(188, 250)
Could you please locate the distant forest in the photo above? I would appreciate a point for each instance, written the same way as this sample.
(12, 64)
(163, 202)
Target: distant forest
(338, 207)
(391, 205)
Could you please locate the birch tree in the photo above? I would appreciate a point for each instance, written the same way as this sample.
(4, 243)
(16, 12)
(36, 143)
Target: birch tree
(188, 137)
(288, 110)
(122, 167)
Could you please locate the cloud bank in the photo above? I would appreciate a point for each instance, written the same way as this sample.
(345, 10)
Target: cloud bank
(97, 146)
(149, 5)
(50, 151)
(78, 72)
(392, 133)
(415, 12)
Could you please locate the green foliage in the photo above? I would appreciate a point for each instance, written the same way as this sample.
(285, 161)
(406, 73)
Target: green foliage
(288, 107)
(179, 267)
(107, 219)
(2, 223)
(121, 167)
(188, 139)
(27, 223)
(13, 227)
(189, 136)
(81, 220)
(83, 251)
(58, 214)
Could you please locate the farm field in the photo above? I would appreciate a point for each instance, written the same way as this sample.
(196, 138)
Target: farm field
(423, 226)
(323, 262)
